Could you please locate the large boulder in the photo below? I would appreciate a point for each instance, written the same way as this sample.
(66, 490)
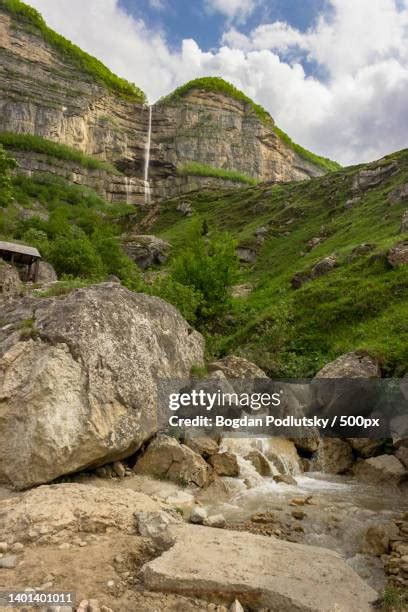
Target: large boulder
(263, 572)
(351, 365)
(365, 447)
(384, 469)
(54, 512)
(260, 462)
(225, 464)
(146, 250)
(86, 377)
(334, 456)
(166, 458)
(10, 283)
(203, 445)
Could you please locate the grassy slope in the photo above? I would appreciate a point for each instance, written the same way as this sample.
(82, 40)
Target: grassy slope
(360, 305)
(85, 62)
(197, 169)
(220, 85)
(30, 142)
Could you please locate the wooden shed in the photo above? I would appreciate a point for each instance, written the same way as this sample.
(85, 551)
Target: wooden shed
(26, 258)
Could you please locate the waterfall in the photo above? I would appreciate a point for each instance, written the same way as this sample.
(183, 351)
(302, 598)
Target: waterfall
(147, 193)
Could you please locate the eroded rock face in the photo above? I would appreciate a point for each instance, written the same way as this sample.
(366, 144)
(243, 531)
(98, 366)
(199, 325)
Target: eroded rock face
(267, 573)
(370, 177)
(86, 378)
(166, 458)
(400, 194)
(46, 273)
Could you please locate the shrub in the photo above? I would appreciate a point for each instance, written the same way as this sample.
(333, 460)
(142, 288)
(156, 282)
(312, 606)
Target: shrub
(77, 257)
(210, 267)
(185, 299)
(6, 187)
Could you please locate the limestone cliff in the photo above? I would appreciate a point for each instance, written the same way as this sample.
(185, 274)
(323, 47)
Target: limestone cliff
(44, 92)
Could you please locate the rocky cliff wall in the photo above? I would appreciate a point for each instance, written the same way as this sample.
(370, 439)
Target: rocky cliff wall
(43, 92)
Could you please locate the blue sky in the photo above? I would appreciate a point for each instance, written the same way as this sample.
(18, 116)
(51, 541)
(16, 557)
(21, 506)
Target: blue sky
(180, 19)
(332, 73)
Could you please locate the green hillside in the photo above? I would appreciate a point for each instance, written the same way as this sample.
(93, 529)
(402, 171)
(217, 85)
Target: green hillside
(31, 19)
(360, 305)
(222, 86)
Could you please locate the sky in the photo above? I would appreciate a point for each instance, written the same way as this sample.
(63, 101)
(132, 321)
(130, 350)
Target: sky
(332, 73)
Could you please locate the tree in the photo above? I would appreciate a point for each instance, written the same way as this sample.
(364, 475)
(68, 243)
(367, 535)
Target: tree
(7, 163)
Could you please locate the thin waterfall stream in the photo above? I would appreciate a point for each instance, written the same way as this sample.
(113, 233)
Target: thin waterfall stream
(147, 191)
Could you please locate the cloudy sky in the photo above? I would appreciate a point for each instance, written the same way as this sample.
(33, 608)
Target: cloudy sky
(333, 73)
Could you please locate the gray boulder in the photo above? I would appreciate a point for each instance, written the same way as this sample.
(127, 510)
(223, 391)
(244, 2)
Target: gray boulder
(398, 255)
(86, 378)
(334, 456)
(371, 177)
(324, 266)
(146, 250)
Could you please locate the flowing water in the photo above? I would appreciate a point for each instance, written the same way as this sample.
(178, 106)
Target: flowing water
(147, 194)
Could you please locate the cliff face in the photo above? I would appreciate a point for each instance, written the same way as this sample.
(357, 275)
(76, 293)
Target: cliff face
(217, 130)
(43, 92)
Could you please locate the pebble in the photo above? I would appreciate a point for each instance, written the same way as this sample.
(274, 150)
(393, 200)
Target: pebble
(110, 584)
(217, 520)
(3, 547)
(17, 547)
(299, 515)
(82, 543)
(8, 562)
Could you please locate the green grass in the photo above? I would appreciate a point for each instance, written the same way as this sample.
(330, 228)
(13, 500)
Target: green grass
(197, 169)
(37, 144)
(361, 305)
(83, 61)
(220, 85)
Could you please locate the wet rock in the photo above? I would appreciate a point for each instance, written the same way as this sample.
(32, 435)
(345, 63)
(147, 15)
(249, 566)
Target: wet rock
(198, 515)
(267, 572)
(165, 457)
(384, 469)
(310, 444)
(225, 464)
(217, 520)
(203, 445)
(398, 255)
(334, 456)
(146, 250)
(260, 462)
(97, 351)
(285, 479)
(371, 177)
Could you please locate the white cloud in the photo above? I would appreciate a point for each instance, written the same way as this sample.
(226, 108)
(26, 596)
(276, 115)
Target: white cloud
(233, 9)
(356, 113)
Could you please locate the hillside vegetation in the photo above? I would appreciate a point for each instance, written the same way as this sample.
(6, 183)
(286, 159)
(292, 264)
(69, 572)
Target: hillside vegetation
(34, 22)
(220, 85)
(362, 304)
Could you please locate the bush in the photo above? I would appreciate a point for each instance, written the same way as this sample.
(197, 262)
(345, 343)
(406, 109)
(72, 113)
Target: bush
(185, 299)
(209, 267)
(6, 186)
(116, 262)
(77, 257)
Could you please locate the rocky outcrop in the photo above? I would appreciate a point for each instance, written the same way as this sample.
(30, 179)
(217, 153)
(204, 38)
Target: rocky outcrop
(146, 250)
(166, 458)
(46, 273)
(85, 371)
(373, 176)
(400, 194)
(262, 572)
(398, 255)
(224, 464)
